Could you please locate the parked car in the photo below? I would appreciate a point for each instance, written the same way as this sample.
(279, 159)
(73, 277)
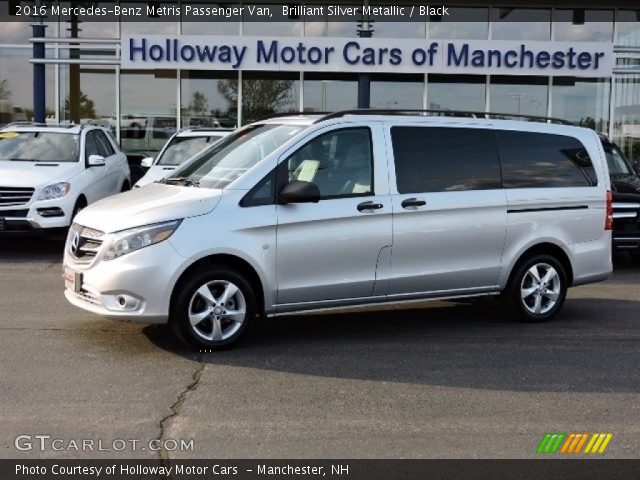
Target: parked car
(49, 173)
(181, 147)
(147, 136)
(625, 184)
(307, 212)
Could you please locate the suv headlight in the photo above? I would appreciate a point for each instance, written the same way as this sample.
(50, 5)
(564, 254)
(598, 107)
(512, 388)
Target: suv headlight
(56, 190)
(128, 241)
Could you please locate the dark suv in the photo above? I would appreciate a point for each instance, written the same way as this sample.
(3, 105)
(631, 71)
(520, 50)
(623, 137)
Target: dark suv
(625, 184)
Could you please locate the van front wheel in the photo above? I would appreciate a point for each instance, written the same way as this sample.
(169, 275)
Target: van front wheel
(213, 308)
(538, 289)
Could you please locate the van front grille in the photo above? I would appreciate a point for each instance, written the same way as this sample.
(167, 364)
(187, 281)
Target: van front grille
(84, 243)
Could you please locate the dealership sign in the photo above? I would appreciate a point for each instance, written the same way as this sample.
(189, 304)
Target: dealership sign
(322, 54)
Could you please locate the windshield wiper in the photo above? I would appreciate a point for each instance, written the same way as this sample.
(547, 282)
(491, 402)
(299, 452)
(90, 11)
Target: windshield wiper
(180, 180)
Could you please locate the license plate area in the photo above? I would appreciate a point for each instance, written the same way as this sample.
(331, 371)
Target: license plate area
(72, 280)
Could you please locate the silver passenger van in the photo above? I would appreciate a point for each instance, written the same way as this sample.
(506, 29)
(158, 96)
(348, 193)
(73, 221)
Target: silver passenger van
(305, 212)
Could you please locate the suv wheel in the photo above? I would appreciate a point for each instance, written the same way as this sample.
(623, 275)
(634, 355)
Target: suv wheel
(538, 289)
(213, 308)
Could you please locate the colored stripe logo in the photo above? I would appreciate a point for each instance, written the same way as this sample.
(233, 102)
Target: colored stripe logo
(573, 443)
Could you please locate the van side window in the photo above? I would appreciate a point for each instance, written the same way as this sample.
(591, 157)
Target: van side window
(444, 159)
(340, 163)
(544, 160)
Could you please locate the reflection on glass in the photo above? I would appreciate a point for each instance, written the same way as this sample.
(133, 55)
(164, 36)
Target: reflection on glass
(263, 94)
(456, 92)
(519, 95)
(626, 126)
(462, 23)
(580, 25)
(148, 110)
(21, 32)
(204, 27)
(16, 86)
(397, 91)
(389, 29)
(129, 27)
(583, 101)
(628, 28)
(520, 23)
(202, 102)
(91, 95)
(80, 26)
(324, 93)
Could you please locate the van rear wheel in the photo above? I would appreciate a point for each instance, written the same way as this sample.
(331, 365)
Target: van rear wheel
(213, 308)
(538, 289)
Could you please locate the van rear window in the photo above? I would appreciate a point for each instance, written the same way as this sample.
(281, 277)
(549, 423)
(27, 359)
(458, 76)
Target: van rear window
(543, 160)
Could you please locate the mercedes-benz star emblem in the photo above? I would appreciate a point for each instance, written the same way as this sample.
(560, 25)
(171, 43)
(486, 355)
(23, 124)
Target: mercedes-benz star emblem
(75, 243)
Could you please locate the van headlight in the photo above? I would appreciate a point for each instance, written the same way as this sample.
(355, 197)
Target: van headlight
(128, 241)
(56, 190)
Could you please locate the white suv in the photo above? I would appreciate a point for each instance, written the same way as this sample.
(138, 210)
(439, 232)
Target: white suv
(307, 212)
(181, 147)
(49, 173)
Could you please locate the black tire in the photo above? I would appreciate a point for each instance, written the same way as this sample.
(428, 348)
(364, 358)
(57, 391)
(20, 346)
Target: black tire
(125, 187)
(80, 204)
(522, 281)
(187, 301)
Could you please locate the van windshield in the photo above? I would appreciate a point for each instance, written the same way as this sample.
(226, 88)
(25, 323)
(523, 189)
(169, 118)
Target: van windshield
(232, 156)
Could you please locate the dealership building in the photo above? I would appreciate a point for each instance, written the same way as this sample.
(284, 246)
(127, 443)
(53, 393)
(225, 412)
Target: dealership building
(146, 77)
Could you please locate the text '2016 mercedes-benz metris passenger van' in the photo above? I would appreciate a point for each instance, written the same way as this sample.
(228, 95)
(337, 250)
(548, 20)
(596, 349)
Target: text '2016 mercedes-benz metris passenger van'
(307, 212)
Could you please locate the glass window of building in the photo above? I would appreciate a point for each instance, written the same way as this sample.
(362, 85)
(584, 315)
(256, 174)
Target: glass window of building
(397, 91)
(202, 101)
(463, 23)
(584, 101)
(157, 25)
(583, 25)
(147, 109)
(79, 26)
(264, 93)
(391, 29)
(519, 95)
(278, 26)
(626, 125)
(19, 31)
(520, 23)
(16, 86)
(88, 93)
(201, 24)
(330, 92)
(456, 92)
(628, 28)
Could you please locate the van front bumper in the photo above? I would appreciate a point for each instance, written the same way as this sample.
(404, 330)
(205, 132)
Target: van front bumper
(135, 287)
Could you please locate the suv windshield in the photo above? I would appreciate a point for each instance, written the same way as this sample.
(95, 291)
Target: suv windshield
(38, 147)
(618, 164)
(182, 148)
(231, 157)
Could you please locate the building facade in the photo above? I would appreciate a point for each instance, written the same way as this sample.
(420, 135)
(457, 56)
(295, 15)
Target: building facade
(86, 79)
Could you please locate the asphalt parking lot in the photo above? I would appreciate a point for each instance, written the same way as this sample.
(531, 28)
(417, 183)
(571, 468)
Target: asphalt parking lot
(436, 381)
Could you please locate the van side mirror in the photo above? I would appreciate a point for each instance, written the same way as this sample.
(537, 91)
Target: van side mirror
(96, 161)
(146, 162)
(298, 191)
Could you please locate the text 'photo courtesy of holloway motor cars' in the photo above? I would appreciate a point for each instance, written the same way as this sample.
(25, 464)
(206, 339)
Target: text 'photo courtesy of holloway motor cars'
(311, 212)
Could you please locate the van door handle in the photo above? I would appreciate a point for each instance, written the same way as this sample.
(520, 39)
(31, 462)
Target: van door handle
(369, 206)
(413, 202)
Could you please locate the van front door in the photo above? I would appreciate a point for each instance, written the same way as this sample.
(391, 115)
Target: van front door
(449, 210)
(331, 250)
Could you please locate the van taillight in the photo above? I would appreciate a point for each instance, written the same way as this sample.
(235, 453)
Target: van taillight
(608, 223)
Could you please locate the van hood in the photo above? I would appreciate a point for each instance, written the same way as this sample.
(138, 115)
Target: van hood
(36, 174)
(152, 204)
(156, 172)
